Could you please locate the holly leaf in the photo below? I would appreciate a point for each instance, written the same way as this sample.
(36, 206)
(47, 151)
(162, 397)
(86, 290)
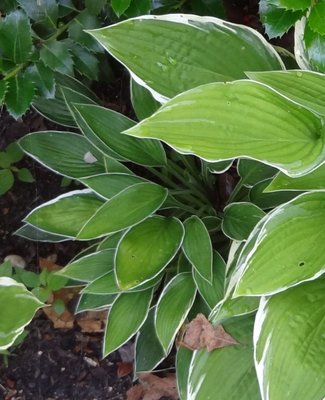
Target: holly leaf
(44, 11)
(19, 96)
(56, 55)
(43, 78)
(3, 90)
(95, 6)
(200, 333)
(15, 37)
(291, 4)
(315, 46)
(277, 21)
(85, 61)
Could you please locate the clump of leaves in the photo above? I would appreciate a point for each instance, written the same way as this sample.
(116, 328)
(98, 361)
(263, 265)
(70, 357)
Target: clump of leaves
(8, 171)
(308, 17)
(167, 243)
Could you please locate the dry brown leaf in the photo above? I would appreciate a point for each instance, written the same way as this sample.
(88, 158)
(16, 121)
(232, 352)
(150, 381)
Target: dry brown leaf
(124, 369)
(152, 387)
(49, 263)
(92, 322)
(200, 333)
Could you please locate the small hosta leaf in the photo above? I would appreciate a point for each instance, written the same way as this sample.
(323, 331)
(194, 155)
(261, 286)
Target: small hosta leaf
(120, 6)
(6, 180)
(24, 175)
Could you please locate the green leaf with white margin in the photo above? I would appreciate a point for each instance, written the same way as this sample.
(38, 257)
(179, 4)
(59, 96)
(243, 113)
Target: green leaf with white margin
(110, 242)
(172, 308)
(290, 343)
(228, 371)
(56, 56)
(222, 121)
(15, 37)
(313, 181)
(66, 214)
(197, 247)
(253, 171)
(108, 185)
(89, 267)
(32, 233)
(91, 302)
(142, 100)
(172, 65)
(212, 292)
(304, 87)
(148, 350)
(183, 362)
(277, 21)
(129, 207)
(107, 126)
(20, 307)
(126, 316)
(66, 153)
(229, 308)
(291, 4)
(19, 95)
(286, 249)
(267, 200)
(146, 249)
(317, 17)
(240, 219)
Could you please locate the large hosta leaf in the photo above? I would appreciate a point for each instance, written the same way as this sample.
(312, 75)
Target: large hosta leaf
(146, 249)
(312, 181)
(290, 343)
(18, 307)
(64, 152)
(127, 208)
(287, 247)
(184, 51)
(240, 119)
(304, 87)
(173, 306)
(66, 214)
(228, 372)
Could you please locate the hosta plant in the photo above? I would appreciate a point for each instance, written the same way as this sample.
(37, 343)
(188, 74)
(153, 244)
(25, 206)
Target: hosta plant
(173, 236)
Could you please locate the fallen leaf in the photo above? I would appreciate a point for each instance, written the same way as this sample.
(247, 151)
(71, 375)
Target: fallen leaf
(152, 387)
(92, 322)
(124, 369)
(49, 263)
(200, 333)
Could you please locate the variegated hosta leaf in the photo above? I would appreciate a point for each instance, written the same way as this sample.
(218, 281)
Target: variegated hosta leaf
(227, 373)
(183, 51)
(222, 121)
(18, 307)
(285, 248)
(304, 87)
(312, 181)
(66, 214)
(289, 343)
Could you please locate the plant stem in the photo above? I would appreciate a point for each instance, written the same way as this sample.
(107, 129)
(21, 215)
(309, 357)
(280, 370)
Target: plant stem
(13, 72)
(234, 193)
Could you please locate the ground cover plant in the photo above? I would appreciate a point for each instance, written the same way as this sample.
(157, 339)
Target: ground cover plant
(245, 268)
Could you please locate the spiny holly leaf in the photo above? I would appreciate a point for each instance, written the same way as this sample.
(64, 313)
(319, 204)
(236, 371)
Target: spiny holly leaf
(95, 6)
(85, 61)
(15, 37)
(277, 21)
(315, 46)
(56, 55)
(43, 78)
(3, 90)
(19, 95)
(44, 11)
(317, 17)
